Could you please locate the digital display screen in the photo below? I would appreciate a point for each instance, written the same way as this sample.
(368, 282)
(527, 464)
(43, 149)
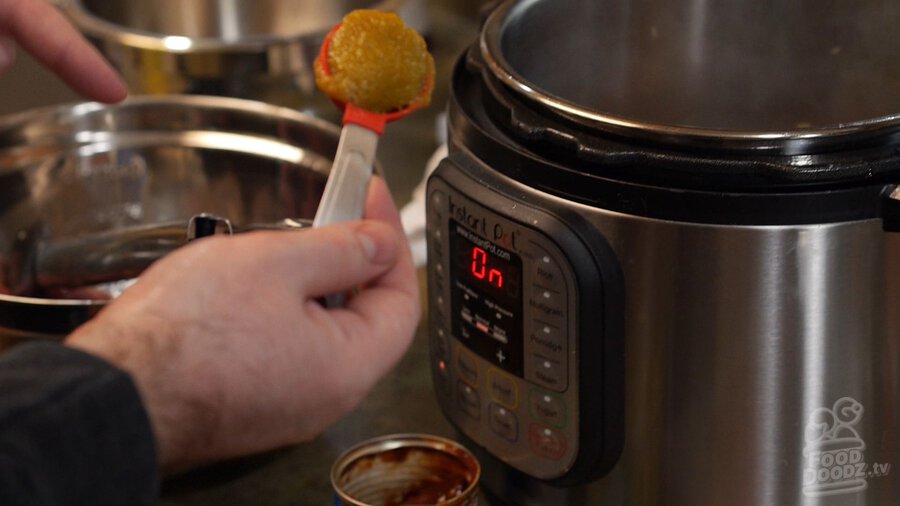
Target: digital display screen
(486, 298)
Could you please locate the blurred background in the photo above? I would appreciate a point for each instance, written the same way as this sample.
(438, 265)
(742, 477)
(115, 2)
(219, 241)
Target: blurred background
(448, 26)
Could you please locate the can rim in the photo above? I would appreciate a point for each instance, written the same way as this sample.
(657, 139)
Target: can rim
(405, 440)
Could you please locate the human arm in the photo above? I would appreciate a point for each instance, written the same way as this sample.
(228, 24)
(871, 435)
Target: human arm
(226, 351)
(72, 431)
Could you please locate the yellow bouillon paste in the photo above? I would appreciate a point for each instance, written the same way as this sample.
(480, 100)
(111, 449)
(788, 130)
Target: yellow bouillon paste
(376, 62)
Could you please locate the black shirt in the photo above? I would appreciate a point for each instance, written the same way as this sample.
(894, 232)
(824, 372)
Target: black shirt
(73, 431)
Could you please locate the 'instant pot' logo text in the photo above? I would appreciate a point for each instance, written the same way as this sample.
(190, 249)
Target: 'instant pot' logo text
(489, 229)
(835, 452)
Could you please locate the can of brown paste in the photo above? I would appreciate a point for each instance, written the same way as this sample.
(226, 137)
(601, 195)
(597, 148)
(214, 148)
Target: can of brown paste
(406, 469)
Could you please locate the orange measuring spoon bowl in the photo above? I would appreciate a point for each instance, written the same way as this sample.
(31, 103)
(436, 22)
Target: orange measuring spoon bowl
(356, 115)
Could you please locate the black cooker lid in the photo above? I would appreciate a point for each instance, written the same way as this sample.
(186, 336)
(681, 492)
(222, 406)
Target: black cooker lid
(543, 153)
(754, 113)
(798, 77)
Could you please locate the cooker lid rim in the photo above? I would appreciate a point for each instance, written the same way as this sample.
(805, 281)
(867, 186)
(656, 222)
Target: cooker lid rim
(795, 141)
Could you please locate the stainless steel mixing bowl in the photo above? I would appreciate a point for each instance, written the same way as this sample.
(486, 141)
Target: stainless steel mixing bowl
(258, 49)
(73, 175)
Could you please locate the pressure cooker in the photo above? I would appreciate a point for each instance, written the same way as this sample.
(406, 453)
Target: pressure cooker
(663, 253)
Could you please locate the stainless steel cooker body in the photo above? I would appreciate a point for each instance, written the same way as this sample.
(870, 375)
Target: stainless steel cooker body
(758, 362)
(757, 357)
(708, 302)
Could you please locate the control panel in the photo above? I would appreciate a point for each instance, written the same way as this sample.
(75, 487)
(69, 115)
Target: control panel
(506, 334)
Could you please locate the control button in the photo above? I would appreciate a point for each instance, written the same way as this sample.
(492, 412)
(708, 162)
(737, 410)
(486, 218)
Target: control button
(468, 368)
(546, 442)
(437, 286)
(435, 239)
(439, 304)
(499, 333)
(503, 422)
(483, 324)
(441, 346)
(468, 399)
(547, 339)
(503, 388)
(547, 271)
(547, 408)
(466, 314)
(548, 372)
(547, 303)
(437, 200)
(442, 374)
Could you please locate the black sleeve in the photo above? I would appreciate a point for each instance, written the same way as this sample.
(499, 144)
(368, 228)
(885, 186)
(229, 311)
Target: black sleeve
(72, 431)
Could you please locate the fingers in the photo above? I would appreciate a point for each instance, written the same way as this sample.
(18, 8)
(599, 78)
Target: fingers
(341, 257)
(318, 261)
(379, 204)
(7, 53)
(387, 308)
(381, 207)
(45, 33)
(347, 255)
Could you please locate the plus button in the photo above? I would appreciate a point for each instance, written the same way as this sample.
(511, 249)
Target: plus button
(500, 356)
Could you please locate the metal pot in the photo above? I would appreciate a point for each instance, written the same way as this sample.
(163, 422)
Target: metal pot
(81, 176)
(258, 49)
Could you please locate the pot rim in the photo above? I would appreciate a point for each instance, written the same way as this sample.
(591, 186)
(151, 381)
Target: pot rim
(71, 112)
(795, 141)
(106, 30)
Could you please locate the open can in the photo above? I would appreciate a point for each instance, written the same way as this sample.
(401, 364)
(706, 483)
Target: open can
(406, 469)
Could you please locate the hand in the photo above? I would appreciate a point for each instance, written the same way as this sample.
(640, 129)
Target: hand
(45, 33)
(229, 348)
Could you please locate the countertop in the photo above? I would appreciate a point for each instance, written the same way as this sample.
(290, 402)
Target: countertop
(403, 401)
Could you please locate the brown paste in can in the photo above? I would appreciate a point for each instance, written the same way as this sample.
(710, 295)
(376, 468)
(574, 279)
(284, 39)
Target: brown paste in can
(439, 476)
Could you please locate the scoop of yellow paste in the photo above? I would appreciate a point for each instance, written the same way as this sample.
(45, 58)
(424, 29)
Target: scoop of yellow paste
(376, 63)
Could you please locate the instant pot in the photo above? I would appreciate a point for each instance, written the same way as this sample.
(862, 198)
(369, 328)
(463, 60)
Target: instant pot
(663, 259)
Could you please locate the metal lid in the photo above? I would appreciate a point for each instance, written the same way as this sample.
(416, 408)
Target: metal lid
(795, 77)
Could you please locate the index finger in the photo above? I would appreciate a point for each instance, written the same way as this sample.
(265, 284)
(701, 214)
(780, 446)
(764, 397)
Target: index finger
(43, 31)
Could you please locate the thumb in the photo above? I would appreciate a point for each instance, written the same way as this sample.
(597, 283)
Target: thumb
(341, 257)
